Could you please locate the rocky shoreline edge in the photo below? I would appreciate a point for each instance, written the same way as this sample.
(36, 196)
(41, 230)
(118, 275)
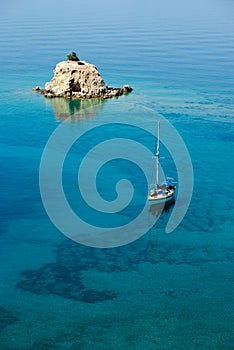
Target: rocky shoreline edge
(79, 79)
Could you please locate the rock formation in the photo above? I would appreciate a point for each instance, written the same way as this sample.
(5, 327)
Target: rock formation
(79, 79)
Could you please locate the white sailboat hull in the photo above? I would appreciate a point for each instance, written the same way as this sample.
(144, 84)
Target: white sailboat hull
(157, 198)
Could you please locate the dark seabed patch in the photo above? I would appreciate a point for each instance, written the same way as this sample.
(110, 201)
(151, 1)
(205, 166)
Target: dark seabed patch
(6, 318)
(64, 276)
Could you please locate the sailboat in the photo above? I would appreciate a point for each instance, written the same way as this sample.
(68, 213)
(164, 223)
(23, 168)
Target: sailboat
(164, 192)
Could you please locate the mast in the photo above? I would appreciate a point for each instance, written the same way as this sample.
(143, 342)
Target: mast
(157, 155)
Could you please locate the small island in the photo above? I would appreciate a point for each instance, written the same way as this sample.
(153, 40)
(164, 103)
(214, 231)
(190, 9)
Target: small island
(78, 79)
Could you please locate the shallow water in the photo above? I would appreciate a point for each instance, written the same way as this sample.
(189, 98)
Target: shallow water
(162, 291)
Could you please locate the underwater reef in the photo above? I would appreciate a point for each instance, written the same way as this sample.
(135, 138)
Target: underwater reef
(63, 277)
(6, 318)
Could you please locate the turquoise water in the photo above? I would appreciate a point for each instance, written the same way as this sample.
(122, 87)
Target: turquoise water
(163, 291)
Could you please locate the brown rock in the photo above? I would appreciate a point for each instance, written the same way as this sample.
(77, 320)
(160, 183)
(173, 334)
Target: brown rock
(79, 79)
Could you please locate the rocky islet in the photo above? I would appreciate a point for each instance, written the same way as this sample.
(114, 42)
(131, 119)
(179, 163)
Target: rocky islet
(79, 79)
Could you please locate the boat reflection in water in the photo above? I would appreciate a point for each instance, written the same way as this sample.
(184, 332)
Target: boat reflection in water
(160, 208)
(75, 109)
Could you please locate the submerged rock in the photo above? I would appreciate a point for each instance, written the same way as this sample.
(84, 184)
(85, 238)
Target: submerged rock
(6, 318)
(79, 79)
(63, 278)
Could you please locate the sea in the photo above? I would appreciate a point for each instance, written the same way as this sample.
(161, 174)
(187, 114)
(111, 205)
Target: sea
(65, 282)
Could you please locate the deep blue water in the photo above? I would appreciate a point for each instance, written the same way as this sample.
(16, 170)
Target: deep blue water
(162, 291)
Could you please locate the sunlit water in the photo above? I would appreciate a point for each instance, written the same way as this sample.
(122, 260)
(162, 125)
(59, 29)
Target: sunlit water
(162, 291)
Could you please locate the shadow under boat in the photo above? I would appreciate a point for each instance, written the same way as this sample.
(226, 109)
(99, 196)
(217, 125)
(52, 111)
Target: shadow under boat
(159, 208)
(75, 109)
